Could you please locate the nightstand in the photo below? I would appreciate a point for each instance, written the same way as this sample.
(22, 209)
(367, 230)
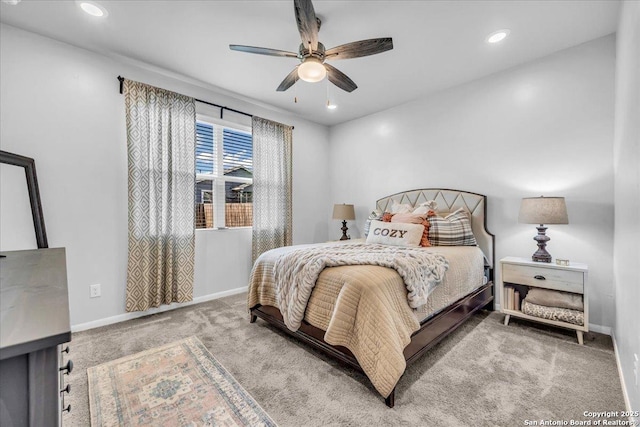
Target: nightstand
(519, 275)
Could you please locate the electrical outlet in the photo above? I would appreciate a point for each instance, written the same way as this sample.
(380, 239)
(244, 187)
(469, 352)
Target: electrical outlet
(94, 291)
(636, 367)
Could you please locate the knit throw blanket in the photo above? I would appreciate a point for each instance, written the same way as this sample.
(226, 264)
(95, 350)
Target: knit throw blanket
(296, 272)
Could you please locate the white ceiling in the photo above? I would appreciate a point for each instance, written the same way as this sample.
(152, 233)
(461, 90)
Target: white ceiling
(437, 44)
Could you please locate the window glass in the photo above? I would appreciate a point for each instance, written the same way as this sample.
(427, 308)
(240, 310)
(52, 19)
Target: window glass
(224, 176)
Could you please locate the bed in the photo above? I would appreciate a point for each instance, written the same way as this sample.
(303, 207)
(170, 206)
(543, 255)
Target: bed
(359, 314)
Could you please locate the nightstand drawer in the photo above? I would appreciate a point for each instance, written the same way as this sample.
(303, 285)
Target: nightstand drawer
(550, 278)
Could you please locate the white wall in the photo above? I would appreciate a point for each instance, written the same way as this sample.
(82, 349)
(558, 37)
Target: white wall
(627, 198)
(61, 106)
(16, 221)
(545, 127)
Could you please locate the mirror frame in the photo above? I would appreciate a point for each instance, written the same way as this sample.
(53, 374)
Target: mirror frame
(29, 166)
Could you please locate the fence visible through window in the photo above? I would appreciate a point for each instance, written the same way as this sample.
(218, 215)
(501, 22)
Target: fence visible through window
(237, 215)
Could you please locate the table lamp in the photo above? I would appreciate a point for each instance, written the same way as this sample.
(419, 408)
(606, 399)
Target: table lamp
(543, 210)
(344, 212)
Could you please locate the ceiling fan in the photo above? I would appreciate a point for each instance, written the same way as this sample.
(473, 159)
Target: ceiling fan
(312, 54)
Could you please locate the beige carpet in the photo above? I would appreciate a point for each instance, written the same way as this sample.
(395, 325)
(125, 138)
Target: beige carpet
(485, 374)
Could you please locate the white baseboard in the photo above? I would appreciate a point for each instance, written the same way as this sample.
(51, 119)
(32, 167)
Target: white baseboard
(128, 316)
(600, 329)
(627, 402)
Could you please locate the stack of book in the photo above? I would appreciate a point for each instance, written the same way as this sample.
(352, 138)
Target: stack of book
(511, 298)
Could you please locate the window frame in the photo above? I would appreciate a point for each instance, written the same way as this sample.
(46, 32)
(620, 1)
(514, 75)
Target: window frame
(219, 181)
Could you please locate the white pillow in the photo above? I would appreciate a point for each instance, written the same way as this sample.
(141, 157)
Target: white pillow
(424, 208)
(395, 233)
(400, 208)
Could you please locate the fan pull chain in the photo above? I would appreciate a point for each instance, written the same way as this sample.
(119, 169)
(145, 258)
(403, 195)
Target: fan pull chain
(295, 91)
(329, 105)
(327, 86)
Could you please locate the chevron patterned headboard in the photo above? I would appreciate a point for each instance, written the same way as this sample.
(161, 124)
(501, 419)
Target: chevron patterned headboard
(449, 201)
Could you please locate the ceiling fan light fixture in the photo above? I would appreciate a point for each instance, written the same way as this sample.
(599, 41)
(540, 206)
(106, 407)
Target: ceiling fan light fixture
(312, 53)
(312, 70)
(93, 8)
(497, 36)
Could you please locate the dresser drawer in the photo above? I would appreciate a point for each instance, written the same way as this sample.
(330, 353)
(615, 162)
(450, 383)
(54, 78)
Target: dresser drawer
(550, 278)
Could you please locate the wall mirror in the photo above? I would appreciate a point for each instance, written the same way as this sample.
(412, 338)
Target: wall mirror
(20, 206)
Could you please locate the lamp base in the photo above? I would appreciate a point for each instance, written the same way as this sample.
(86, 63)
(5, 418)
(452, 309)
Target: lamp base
(541, 255)
(344, 232)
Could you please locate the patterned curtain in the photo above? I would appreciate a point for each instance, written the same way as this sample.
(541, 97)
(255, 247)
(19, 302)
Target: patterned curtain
(271, 185)
(161, 139)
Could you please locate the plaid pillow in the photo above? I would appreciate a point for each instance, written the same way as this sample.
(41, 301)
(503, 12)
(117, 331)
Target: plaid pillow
(452, 230)
(374, 215)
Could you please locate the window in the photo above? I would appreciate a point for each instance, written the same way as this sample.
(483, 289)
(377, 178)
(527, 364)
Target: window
(224, 175)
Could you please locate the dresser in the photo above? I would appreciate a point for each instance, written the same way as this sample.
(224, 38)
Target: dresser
(34, 323)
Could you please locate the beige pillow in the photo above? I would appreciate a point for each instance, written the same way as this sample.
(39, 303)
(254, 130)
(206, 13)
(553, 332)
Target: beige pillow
(395, 233)
(551, 298)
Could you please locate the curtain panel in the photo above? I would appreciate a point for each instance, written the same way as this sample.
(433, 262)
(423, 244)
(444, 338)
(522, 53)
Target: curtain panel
(272, 217)
(161, 140)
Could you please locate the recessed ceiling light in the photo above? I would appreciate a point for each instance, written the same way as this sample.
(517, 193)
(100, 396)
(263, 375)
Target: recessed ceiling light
(331, 106)
(93, 8)
(497, 36)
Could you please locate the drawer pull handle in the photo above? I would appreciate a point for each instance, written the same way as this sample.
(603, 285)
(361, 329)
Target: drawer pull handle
(67, 389)
(68, 367)
(539, 277)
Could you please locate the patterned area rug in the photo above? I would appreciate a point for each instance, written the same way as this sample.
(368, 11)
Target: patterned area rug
(180, 384)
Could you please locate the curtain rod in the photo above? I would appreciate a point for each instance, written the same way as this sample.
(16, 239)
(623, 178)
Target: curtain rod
(221, 107)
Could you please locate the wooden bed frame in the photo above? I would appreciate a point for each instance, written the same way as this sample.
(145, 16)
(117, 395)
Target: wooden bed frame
(436, 327)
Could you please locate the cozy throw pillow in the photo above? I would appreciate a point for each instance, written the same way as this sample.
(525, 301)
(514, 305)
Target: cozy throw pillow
(395, 233)
(452, 230)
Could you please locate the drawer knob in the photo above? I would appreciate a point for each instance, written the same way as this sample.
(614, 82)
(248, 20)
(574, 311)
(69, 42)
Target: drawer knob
(67, 389)
(68, 367)
(539, 277)
(67, 409)
(65, 350)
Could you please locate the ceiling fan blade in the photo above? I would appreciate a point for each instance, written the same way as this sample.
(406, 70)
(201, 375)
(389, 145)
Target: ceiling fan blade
(307, 23)
(340, 79)
(288, 81)
(262, 51)
(360, 48)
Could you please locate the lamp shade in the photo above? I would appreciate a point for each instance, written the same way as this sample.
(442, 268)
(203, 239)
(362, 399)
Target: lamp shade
(344, 212)
(543, 210)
